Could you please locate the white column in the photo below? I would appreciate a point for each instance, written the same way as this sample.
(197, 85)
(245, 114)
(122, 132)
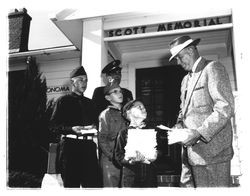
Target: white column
(94, 54)
(241, 54)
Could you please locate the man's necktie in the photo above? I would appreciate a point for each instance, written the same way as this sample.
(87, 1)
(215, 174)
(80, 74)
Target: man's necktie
(187, 84)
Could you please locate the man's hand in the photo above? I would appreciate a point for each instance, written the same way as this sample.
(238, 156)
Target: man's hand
(184, 136)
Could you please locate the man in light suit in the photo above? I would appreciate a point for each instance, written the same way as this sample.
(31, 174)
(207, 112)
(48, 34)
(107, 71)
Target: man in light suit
(203, 126)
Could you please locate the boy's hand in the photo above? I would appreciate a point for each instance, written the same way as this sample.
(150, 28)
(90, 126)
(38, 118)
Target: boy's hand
(139, 158)
(80, 130)
(88, 127)
(77, 129)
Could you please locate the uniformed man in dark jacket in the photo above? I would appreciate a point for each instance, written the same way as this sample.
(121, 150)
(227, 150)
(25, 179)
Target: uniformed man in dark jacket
(74, 113)
(112, 73)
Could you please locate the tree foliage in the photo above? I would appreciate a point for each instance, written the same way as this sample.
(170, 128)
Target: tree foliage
(28, 123)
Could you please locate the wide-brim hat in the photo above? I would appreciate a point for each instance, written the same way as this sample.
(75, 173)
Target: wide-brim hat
(179, 43)
(112, 67)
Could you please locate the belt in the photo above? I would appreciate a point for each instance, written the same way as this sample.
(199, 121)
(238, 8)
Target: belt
(87, 137)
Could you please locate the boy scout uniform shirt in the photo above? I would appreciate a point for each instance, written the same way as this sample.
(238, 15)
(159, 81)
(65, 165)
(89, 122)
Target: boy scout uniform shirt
(72, 110)
(110, 123)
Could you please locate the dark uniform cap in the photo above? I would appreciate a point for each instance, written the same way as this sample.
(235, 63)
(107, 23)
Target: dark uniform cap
(112, 67)
(109, 87)
(78, 72)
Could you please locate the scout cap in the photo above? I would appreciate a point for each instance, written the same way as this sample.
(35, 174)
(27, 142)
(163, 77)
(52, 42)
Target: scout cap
(78, 72)
(109, 87)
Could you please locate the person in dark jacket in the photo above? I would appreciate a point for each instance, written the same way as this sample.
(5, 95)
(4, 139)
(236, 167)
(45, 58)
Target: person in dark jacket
(111, 74)
(138, 170)
(110, 123)
(74, 113)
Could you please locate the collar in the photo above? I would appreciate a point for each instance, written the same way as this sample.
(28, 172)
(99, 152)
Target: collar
(138, 126)
(113, 107)
(76, 95)
(196, 64)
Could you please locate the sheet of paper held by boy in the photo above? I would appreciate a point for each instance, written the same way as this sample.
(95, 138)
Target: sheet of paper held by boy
(135, 144)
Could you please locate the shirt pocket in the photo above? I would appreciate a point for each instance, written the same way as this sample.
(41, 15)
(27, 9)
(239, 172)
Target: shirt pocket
(115, 128)
(200, 97)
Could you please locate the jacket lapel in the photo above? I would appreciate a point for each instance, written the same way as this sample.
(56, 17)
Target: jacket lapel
(192, 83)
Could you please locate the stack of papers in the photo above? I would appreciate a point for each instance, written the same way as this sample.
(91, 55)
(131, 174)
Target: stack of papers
(88, 131)
(142, 140)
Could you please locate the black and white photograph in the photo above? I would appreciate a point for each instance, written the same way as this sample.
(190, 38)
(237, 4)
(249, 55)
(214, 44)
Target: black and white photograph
(117, 96)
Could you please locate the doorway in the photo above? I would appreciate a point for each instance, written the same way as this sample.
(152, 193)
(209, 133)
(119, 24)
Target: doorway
(159, 89)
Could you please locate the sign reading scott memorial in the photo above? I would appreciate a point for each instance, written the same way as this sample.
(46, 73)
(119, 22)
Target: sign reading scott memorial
(168, 26)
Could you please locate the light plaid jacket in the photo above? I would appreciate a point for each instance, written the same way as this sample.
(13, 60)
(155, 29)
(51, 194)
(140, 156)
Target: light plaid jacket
(207, 105)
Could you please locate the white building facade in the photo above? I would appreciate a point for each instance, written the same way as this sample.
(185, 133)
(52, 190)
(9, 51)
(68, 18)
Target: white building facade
(141, 42)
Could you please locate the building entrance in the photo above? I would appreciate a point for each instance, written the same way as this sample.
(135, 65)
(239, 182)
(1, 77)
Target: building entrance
(159, 90)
